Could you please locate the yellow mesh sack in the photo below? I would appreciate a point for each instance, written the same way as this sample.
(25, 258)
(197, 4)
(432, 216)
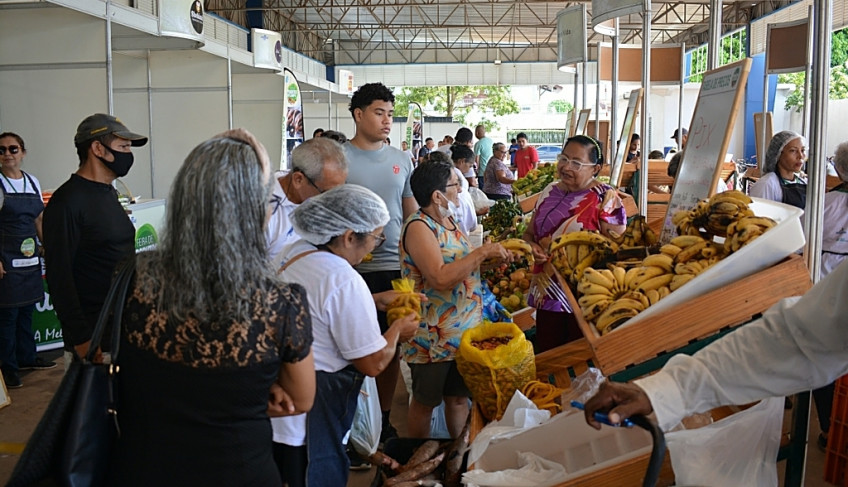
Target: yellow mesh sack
(493, 375)
(406, 302)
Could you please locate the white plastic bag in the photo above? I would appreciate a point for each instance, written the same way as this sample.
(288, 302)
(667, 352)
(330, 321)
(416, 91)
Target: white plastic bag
(481, 201)
(367, 420)
(738, 450)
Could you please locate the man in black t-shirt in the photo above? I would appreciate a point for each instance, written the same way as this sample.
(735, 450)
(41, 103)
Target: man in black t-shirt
(86, 230)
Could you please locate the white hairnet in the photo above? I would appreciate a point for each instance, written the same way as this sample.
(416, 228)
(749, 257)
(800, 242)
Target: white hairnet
(332, 213)
(775, 148)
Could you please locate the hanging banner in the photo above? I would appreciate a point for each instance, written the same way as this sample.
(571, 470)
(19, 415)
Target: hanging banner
(267, 49)
(786, 46)
(603, 10)
(571, 36)
(293, 121)
(181, 18)
(414, 133)
(346, 82)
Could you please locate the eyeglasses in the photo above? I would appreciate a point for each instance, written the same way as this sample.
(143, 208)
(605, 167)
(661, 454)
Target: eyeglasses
(572, 164)
(378, 239)
(276, 203)
(451, 184)
(13, 149)
(310, 181)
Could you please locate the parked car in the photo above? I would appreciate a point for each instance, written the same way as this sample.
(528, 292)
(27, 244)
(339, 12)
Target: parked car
(548, 153)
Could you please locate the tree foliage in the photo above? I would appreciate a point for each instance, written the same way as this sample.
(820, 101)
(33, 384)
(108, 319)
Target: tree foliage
(560, 106)
(838, 74)
(733, 48)
(460, 102)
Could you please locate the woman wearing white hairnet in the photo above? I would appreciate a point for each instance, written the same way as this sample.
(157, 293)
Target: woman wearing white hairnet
(782, 178)
(338, 228)
(438, 257)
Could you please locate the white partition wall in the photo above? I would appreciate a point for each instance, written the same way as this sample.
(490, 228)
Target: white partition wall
(189, 90)
(52, 75)
(258, 107)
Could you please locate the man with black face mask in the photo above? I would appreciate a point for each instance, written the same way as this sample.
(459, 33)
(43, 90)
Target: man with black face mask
(86, 231)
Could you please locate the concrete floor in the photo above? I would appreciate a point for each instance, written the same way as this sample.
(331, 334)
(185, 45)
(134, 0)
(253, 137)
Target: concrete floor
(29, 402)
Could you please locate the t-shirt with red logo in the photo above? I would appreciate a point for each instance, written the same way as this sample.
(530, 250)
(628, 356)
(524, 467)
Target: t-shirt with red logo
(525, 160)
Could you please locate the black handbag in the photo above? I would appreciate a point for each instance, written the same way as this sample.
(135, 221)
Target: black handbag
(72, 443)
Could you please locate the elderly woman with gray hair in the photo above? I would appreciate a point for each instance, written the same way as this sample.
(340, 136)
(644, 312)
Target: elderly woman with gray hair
(212, 339)
(782, 178)
(337, 229)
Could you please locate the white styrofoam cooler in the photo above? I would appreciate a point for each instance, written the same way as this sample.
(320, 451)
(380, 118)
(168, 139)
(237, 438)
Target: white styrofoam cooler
(569, 441)
(770, 248)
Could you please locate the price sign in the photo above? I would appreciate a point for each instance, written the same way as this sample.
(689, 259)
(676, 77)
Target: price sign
(709, 136)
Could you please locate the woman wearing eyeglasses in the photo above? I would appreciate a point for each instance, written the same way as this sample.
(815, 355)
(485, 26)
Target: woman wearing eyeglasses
(439, 258)
(20, 269)
(578, 201)
(337, 229)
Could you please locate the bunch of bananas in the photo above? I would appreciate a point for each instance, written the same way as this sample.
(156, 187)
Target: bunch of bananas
(521, 247)
(714, 215)
(637, 234)
(744, 230)
(609, 297)
(402, 305)
(692, 255)
(572, 253)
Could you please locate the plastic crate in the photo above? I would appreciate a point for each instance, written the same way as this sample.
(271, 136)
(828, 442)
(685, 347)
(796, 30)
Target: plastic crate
(836, 453)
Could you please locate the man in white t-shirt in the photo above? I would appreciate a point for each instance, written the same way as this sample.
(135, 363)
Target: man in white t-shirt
(317, 165)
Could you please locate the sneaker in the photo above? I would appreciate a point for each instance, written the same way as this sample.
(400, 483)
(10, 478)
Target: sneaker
(39, 364)
(357, 463)
(821, 442)
(12, 380)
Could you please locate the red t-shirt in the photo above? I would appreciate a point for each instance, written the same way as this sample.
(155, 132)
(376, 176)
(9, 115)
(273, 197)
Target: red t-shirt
(525, 159)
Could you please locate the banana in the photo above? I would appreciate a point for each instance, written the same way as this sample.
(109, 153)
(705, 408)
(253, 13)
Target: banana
(692, 267)
(582, 251)
(762, 221)
(590, 259)
(588, 300)
(664, 291)
(593, 311)
(644, 274)
(571, 254)
(670, 250)
(650, 237)
(653, 296)
(609, 320)
(520, 246)
(581, 237)
(680, 280)
(690, 251)
(637, 231)
(608, 274)
(597, 277)
(659, 260)
(629, 276)
(619, 273)
(724, 207)
(685, 241)
(587, 288)
(709, 251)
(655, 283)
(732, 196)
(637, 296)
(680, 217)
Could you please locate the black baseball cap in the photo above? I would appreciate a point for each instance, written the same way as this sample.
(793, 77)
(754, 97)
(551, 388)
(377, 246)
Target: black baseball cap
(683, 131)
(101, 124)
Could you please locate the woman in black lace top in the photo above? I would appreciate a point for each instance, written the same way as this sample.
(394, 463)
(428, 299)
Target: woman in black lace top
(213, 340)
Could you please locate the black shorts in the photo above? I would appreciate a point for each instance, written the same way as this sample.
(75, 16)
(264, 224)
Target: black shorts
(379, 281)
(434, 381)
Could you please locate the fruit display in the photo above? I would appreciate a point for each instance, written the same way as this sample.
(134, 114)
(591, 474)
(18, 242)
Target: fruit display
(505, 220)
(572, 253)
(509, 283)
(609, 297)
(535, 181)
(637, 234)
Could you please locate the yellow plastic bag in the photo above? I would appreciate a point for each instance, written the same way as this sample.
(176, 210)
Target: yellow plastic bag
(406, 302)
(493, 375)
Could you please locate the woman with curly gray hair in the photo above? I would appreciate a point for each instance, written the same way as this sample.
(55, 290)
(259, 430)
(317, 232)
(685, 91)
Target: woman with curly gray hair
(782, 178)
(212, 340)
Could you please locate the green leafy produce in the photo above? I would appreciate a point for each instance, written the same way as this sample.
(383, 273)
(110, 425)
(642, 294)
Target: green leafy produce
(535, 180)
(505, 220)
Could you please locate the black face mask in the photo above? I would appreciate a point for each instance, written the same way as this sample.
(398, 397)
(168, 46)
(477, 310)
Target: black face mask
(122, 163)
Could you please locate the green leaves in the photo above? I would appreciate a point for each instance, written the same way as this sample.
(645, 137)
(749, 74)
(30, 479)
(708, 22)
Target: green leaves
(458, 102)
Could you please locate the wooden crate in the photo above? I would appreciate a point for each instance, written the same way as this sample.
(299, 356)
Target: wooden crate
(698, 318)
(524, 318)
(528, 203)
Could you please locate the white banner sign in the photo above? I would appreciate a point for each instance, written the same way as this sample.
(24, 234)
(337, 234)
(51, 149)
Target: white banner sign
(603, 10)
(267, 49)
(181, 18)
(571, 35)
